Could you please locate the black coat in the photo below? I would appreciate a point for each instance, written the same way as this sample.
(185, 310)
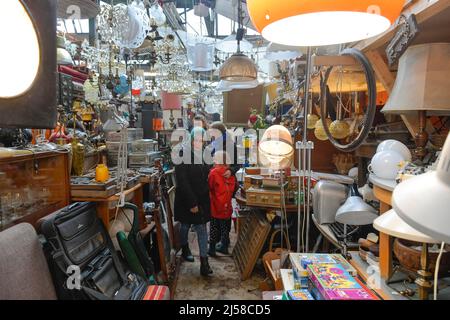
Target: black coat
(192, 190)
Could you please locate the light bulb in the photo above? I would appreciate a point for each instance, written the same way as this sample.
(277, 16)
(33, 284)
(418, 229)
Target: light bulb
(20, 54)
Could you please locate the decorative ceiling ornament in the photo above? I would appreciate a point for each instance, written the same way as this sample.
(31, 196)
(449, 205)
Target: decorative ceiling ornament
(126, 26)
(322, 22)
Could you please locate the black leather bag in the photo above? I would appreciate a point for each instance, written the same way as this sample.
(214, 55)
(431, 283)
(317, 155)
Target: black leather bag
(76, 237)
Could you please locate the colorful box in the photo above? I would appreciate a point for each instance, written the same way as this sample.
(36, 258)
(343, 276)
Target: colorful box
(335, 283)
(299, 295)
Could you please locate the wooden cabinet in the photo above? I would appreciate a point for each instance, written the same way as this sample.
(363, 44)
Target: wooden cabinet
(33, 186)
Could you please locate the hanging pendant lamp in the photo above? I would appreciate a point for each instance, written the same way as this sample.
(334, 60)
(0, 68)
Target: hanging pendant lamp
(322, 22)
(238, 67)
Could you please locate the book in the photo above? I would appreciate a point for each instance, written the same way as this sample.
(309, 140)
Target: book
(335, 283)
(299, 295)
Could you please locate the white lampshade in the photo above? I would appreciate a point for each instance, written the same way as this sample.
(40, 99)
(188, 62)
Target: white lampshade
(201, 57)
(356, 212)
(20, 56)
(229, 45)
(278, 52)
(276, 148)
(422, 82)
(390, 223)
(226, 86)
(424, 201)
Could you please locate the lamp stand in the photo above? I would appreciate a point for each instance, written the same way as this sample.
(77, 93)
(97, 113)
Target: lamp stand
(421, 137)
(305, 148)
(424, 275)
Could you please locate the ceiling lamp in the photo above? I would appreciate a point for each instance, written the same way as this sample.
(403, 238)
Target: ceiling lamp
(277, 52)
(201, 57)
(322, 22)
(229, 44)
(238, 67)
(226, 86)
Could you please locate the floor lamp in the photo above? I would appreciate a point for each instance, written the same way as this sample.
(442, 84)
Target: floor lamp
(307, 23)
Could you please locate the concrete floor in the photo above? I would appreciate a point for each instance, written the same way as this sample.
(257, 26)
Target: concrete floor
(223, 284)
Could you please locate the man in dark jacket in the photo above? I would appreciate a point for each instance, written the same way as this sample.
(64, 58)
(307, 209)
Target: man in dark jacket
(192, 204)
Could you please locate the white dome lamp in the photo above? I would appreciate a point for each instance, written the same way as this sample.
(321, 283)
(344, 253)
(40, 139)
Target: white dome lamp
(423, 201)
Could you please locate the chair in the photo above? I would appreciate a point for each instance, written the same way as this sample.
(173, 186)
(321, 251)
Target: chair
(24, 273)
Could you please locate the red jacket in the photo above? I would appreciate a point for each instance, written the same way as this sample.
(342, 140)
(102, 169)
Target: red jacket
(221, 192)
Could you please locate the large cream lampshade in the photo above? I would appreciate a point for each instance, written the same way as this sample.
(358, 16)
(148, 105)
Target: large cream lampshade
(276, 148)
(322, 22)
(422, 81)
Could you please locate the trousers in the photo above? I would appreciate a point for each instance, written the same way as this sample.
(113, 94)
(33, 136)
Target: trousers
(202, 237)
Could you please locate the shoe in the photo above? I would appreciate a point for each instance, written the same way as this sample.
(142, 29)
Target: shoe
(222, 248)
(212, 250)
(205, 268)
(186, 254)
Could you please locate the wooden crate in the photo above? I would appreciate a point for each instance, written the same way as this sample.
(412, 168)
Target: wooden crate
(252, 236)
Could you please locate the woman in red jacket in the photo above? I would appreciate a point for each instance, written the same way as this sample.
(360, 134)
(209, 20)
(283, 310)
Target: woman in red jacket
(221, 190)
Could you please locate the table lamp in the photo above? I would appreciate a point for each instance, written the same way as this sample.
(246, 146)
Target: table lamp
(170, 101)
(355, 211)
(390, 223)
(276, 148)
(422, 87)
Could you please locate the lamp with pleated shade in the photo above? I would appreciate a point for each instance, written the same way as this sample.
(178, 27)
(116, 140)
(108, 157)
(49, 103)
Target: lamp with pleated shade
(229, 45)
(171, 102)
(322, 22)
(422, 86)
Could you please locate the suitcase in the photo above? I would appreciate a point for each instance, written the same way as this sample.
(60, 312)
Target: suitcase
(83, 260)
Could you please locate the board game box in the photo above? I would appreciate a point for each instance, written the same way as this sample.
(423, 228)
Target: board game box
(299, 295)
(335, 283)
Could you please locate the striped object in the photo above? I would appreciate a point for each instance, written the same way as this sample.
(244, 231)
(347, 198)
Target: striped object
(157, 293)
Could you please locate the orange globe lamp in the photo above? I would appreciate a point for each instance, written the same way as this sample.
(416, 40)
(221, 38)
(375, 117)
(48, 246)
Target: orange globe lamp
(322, 22)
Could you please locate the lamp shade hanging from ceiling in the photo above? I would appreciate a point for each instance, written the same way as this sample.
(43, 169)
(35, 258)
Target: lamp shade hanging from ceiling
(278, 52)
(238, 67)
(423, 81)
(423, 201)
(229, 44)
(201, 57)
(322, 22)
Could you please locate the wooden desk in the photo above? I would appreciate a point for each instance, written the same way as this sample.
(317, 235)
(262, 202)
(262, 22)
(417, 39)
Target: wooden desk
(103, 210)
(383, 192)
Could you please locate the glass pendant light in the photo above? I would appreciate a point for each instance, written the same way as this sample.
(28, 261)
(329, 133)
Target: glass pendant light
(239, 67)
(20, 43)
(322, 22)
